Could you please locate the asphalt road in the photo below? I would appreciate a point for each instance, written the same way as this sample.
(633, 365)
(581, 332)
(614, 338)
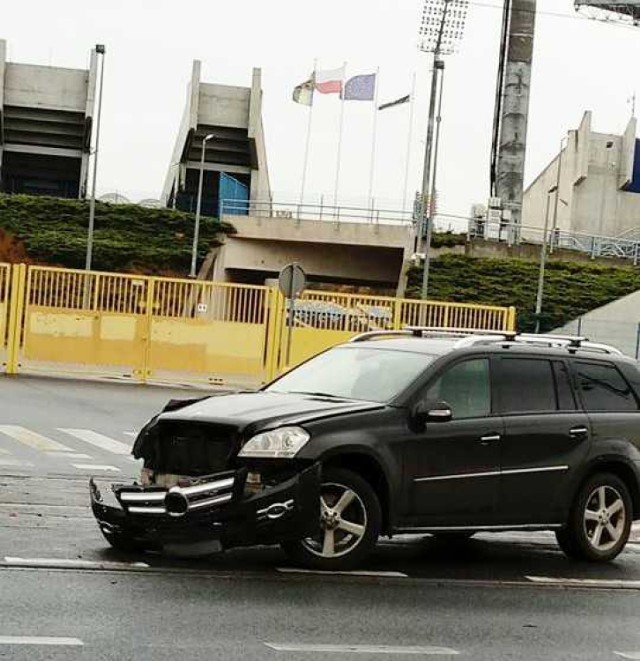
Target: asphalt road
(65, 595)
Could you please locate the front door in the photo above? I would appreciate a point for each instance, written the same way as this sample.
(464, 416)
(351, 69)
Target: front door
(453, 467)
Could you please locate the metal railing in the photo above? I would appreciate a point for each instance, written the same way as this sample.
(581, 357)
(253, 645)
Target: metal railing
(592, 244)
(304, 211)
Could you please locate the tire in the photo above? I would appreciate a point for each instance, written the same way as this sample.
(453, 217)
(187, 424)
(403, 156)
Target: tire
(333, 548)
(600, 521)
(567, 544)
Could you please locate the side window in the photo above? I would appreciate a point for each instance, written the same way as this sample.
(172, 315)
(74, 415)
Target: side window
(466, 387)
(527, 385)
(604, 388)
(566, 398)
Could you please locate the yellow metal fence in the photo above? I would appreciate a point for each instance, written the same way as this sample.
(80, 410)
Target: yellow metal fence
(66, 321)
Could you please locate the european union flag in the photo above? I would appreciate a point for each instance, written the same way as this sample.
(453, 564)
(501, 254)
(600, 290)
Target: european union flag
(360, 88)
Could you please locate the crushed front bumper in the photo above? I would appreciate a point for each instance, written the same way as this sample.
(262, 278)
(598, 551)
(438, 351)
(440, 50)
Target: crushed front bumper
(215, 513)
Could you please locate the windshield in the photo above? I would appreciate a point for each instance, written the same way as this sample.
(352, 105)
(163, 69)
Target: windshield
(375, 375)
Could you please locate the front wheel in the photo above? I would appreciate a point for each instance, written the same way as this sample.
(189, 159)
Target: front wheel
(349, 526)
(600, 522)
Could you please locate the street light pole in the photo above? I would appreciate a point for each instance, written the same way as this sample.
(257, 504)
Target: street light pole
(543, 260)
(431, 209)
(100, 50)
(196, 233)
(557, 200)
(442, 28)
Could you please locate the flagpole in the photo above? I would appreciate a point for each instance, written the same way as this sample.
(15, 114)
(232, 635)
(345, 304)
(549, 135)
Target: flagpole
(306, 149)
(374, 140)
(409, 144)
(337, 184)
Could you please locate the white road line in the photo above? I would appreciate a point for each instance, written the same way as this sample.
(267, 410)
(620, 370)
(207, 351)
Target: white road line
(16, 463)
(72, 563)
(30, 438)
(70, 455)
(363, 649)
(378, 574)
(96, 467)
(99, 440)
(628, 655)
(40, 640)
(584, 582)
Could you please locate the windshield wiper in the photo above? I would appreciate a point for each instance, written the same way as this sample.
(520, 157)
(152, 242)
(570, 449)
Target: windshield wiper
(317, 394)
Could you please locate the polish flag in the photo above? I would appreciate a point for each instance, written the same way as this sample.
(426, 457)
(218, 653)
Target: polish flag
(330, 81)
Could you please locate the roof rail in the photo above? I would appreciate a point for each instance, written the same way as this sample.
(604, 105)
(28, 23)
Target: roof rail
(471, 337)
(433, 331)
(421, 331)
(372, 335)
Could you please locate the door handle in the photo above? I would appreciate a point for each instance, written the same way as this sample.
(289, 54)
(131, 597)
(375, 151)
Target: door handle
(578, 432)
(491, 438)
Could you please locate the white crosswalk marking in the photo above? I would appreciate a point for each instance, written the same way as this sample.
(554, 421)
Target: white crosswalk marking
(96, 467)
(70, 455)
(99, 440)
(32, 439)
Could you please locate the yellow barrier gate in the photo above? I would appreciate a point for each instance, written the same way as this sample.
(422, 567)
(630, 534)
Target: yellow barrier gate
(88, 323)
(5, 282)
(322, 319)
(208, 331)
(65, 321)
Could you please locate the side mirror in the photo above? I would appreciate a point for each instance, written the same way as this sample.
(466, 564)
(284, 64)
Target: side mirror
(425, 412)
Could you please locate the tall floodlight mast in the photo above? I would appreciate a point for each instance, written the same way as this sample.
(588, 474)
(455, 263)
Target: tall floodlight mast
(618, 12)
(441, 30)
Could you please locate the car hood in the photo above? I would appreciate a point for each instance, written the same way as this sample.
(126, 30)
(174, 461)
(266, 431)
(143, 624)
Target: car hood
(261, 410)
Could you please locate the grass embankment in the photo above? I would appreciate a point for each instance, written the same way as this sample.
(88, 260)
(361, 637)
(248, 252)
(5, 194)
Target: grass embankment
(571, 288)
(128, 238)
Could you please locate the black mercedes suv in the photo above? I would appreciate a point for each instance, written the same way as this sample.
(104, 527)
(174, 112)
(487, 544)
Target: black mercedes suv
(417, 431)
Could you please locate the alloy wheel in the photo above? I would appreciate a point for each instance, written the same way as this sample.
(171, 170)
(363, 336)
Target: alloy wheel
(605, 518)
(343, 522)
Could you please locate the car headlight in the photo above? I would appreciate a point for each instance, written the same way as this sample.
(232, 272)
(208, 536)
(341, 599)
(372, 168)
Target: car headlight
(283, 443)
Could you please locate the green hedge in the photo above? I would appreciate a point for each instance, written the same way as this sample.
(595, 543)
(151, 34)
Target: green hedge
(127, 238)
(571, 288)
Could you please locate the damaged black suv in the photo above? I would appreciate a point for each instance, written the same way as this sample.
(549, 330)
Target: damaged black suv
(417, 431)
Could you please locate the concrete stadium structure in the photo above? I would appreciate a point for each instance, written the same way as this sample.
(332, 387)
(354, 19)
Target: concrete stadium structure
(233, 115)
(46, 117)
(598, 185)
(340, 253)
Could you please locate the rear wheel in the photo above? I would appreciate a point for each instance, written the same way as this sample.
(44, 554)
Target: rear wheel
(600, 521)
(349, 526)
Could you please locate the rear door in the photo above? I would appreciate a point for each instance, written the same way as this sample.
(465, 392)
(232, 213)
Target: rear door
(611, 404)
(546, 437)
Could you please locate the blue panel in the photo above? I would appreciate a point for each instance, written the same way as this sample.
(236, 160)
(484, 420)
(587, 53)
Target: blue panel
(234, 196)
(634, 186)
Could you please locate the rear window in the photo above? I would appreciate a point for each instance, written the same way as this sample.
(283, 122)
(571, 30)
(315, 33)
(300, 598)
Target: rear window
(604, 388)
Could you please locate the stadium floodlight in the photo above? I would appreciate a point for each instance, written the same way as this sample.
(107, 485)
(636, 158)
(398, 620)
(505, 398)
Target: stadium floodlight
(610, 11)
(442, 26)
(441, 30)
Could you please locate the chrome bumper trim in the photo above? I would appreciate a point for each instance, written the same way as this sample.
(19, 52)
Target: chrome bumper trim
(158, 502)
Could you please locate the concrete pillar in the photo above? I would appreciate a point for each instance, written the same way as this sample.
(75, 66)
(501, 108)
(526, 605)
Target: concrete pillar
(512, 143)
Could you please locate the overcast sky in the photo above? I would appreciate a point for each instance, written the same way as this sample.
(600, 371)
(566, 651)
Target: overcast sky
(579, 65)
